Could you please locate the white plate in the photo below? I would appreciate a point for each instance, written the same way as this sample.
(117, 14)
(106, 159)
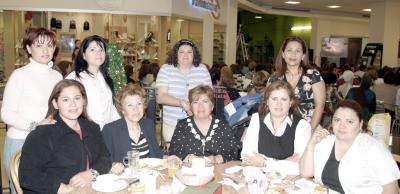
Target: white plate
(152, 164)
(107, 178)
(110, 186)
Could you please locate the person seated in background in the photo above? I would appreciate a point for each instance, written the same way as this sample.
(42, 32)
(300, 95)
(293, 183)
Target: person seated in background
(387, 90)
(70, 153)
(365, 96)
(132, 131)
(348, 77)
(349, 160)
(203, 135)
(276, 132)
(227, 80)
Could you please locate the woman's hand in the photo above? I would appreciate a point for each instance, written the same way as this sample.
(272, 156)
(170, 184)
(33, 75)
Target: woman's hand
(186, 107)
(317, 136)
(81, 179)
(117, 168)
(64, 188)
(255, 159)
(211, 160)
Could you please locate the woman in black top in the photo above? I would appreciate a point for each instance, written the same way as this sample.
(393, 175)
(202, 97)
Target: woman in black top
(203, 135)
(70, 153)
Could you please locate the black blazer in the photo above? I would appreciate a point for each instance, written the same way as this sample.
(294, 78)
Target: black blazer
(53, 154)
(118, 142)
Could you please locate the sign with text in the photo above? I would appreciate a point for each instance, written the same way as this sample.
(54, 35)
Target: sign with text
(210, 5)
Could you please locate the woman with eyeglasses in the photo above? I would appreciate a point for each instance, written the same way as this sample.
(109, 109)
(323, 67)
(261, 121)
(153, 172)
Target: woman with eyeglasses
(91, 69)
(182, 72)
(25, 96)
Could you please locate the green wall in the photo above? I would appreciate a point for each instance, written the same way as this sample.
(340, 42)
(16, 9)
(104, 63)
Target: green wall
(271, 27)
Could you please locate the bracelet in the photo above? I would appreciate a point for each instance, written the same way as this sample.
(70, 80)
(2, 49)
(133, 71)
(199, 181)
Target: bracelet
(95, 174)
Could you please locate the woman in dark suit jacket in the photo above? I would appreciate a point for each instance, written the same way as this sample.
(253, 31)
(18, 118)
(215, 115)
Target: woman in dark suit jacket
(132, 131)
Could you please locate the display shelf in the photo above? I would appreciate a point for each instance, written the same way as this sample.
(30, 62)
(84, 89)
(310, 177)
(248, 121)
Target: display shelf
(219, 48)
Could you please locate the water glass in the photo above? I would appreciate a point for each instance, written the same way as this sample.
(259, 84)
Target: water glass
(172, 165)
(131, 160)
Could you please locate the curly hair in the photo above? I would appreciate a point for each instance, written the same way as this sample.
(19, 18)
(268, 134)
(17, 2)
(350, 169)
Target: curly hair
(280, 63)
(129, 90)
(173, 53)
(263, 108)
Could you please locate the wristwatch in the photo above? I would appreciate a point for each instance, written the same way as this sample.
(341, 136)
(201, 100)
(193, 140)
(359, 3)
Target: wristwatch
(95, 173)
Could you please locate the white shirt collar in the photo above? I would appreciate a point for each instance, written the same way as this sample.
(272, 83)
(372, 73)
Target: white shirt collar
(281, 130)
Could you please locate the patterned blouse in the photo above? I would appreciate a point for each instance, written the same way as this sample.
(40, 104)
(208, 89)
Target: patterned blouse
(220, 139)
(303, 91)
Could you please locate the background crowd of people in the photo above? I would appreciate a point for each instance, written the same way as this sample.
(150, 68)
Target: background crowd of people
(71, 130)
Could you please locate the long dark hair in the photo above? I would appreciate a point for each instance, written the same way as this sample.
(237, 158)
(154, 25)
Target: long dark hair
(359, 93)
(82, 65)
(280, 63)
(263, 109)
(173, 53)
(58, 88)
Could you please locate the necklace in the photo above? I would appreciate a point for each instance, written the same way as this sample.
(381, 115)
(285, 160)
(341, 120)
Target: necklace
(197, 136)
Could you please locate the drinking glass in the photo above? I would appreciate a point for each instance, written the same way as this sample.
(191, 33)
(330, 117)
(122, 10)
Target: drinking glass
(131, 160)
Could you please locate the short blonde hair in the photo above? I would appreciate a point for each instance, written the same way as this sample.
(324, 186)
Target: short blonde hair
(129, 90)
(195, 93)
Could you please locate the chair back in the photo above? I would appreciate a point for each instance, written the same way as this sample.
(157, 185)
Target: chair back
(380, 106)
(14, 165)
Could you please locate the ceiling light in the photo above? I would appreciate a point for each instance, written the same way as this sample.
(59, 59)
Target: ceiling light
(258, 17)
(180, 20)
(367, 9)
(295, 28)
(333, 6)
(292, 2)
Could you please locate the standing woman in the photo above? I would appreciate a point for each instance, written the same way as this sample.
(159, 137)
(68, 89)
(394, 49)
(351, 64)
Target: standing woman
(91, 66)
(27, 91)
(309, 87)
(182, 72)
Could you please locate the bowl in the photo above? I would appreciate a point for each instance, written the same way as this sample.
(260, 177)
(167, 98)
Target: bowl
(193, 179)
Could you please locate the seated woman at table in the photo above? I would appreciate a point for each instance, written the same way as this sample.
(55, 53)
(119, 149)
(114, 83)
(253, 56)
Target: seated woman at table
(70, 153)
(349, 160)
(132, 131)
(203, 135)
(276, 132)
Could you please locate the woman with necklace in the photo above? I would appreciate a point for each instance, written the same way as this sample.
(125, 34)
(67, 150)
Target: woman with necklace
(132, 131)
(203, 135)
(292, 66)
(276, 132)
(91, 69)
(182, 72)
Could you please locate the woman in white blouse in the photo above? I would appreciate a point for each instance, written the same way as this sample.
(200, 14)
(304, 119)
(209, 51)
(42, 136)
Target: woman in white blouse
(91, 66)
(276, 132)
(27, 91)
(350, 161)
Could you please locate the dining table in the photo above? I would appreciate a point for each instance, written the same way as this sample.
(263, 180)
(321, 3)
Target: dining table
(219, 174)
(218, 171)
